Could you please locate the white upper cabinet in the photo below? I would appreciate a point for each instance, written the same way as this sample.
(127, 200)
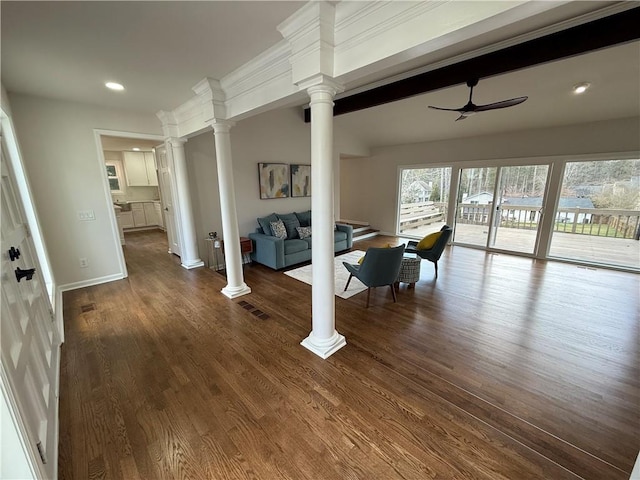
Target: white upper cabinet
(150, 165)
(140, 168)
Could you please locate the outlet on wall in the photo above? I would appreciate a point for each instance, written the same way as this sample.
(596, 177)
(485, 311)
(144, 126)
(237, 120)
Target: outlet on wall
(84, 263)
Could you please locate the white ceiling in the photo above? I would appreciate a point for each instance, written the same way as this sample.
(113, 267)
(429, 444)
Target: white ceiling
(160, 50)
(614, 74)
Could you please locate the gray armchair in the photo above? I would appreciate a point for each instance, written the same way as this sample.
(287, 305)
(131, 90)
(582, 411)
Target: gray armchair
(432, 254)
(380, 267)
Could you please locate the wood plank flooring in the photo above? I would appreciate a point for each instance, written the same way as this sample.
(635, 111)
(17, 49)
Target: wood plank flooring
(503, 368)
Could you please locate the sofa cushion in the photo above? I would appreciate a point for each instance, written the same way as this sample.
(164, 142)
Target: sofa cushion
(278, 229)
(291, 223)
(295, 246)
(339, 236)
(304, 218)
(265, 223)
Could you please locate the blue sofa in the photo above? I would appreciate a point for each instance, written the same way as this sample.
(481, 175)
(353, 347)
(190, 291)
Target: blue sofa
(279, 253)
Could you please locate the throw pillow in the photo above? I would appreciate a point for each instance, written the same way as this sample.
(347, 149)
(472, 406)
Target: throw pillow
(304, 218)
(265, 223)
(278, 230)
(429, 241)
(291, 222)
(304, 232)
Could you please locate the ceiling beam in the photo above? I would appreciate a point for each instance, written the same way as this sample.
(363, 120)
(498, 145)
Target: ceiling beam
(605, 32)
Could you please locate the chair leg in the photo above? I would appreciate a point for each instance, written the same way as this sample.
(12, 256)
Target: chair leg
(436, 265)
(393, 292)
(368, 295)
(348, 281)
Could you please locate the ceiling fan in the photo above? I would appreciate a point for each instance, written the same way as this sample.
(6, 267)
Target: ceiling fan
(470, 108)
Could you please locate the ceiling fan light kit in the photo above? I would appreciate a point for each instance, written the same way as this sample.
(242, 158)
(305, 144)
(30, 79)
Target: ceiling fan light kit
(471, 108)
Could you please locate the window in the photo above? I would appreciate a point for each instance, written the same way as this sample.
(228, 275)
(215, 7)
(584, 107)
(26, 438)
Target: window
(598, 214)
(114, 176)
(424, 196)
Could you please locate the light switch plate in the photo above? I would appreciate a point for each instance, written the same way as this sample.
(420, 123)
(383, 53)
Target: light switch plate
(86, 215)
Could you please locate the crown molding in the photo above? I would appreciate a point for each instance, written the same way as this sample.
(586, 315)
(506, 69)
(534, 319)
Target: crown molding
(170, 126)
(310, 33)
(363, 21)
(265, 69)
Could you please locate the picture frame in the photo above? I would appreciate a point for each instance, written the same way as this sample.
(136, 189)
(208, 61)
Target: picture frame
(300, 180)
(273, 180)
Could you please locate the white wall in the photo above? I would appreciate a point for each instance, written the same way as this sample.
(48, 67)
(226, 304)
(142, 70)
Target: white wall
(278, 136)
(369, 185)
(61, 160)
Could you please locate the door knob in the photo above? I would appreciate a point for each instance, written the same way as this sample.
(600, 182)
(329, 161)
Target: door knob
(14, 253)
(20, 274)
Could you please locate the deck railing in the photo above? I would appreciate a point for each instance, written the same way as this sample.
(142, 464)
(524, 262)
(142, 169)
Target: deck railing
(582, 221)
(417, 215)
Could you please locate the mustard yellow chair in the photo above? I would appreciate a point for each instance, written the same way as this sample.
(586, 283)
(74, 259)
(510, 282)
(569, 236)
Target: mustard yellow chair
(434, 252)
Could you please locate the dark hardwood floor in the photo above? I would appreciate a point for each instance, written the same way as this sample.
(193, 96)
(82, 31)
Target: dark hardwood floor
(503, 368)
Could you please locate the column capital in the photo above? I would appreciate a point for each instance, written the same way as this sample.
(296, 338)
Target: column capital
(176, 141)
(221, 125)
(322, 83)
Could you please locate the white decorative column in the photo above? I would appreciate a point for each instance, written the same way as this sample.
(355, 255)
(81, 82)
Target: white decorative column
(231, 236)
(189, 248)
(323, 340)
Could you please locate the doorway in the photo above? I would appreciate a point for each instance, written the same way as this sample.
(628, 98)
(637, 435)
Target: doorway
(132, 188)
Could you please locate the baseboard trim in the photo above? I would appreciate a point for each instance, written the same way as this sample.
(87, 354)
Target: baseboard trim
(91, 282)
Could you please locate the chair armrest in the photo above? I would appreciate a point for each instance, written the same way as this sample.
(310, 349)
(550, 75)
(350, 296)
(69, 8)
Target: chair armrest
(412, 247)
(268, 250)
(348, 229)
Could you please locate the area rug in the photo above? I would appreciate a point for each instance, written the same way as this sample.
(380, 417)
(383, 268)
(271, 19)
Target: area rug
(341, 275)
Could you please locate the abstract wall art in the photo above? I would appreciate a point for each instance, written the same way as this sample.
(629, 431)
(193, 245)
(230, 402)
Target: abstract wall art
(274, 180)
(300, 180)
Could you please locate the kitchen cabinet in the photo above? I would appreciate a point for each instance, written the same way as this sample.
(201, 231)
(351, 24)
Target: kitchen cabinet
(139, 220)
(118, 212)
(126, 219)
(140, 168)
(150, 213)
(142, 214)
(159, 216)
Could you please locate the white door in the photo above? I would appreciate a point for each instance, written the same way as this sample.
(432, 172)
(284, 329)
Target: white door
(30, 343)
(167, 199)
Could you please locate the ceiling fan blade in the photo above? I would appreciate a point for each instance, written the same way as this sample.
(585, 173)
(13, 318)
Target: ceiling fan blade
(447, 109)
(503, 104)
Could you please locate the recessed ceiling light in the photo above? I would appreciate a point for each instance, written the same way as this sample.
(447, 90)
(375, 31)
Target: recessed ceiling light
(114, 86)
(135, 149)
(581, 87)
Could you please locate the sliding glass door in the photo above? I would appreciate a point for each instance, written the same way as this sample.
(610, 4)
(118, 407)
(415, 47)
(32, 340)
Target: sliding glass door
(598, 215)
(519, 207)
(475, 206)
(501, 207)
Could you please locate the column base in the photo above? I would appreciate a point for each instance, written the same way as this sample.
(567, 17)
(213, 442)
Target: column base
(193, 264)
(324, 348)
(233, 292)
